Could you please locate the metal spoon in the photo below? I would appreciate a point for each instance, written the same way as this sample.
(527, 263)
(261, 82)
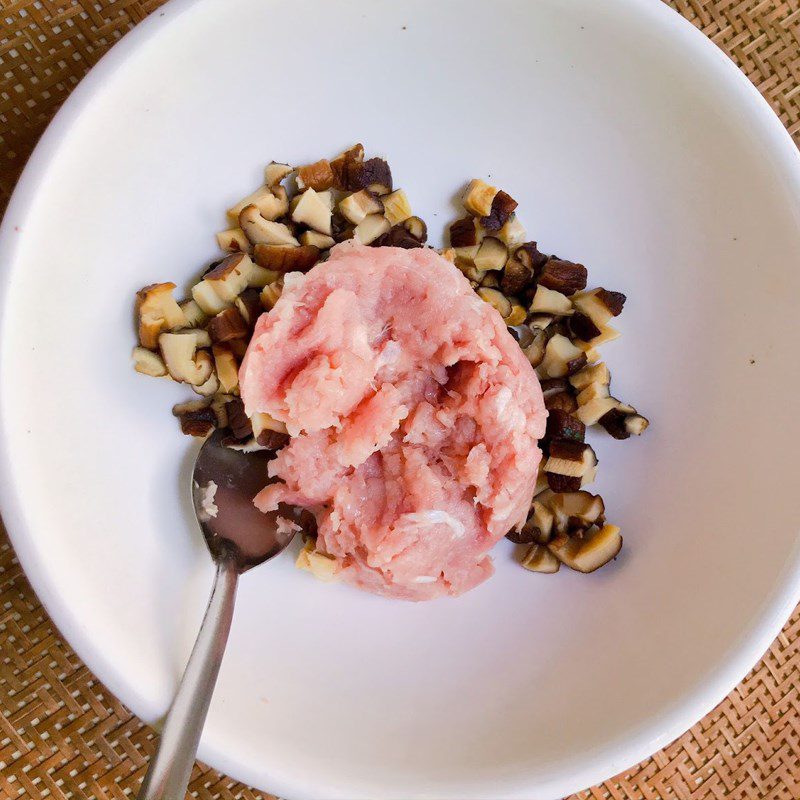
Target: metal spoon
(239, 537)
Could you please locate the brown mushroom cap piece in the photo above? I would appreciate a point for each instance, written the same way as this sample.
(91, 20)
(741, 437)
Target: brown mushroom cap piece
(373, 174)
(563, 425)
(503, 206)
(535, 350)
(517, 276)
(270, 294)
(282, 259)
(182, 359)
(157, 310)
(416, 228)
(582, 327)
(355, 207)
(563, 276)
(318, 176)
(465, 233)
(342, 166)
(197, 418)
(599, 305)
(228, 324)
(570, 458)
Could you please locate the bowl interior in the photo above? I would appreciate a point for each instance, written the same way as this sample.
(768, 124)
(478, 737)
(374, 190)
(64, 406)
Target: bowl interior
(632, 147)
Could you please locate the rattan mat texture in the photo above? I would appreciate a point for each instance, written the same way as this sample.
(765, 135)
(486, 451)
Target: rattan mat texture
(62, 735)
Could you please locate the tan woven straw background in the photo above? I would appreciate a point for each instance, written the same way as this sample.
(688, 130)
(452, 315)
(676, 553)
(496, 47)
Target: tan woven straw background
(62, 735)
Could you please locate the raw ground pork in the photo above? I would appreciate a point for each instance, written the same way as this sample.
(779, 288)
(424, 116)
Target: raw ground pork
(414, 418)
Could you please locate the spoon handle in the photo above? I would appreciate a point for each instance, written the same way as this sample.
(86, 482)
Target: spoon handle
(170, 768)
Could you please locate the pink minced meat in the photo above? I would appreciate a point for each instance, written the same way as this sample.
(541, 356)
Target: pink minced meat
(414, 418)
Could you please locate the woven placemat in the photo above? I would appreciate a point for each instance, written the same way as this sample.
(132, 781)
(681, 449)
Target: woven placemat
(62, 735)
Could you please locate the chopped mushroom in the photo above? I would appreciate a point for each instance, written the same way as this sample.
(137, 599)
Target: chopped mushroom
(563, 276)
(239, 422)
(226, 281)
(570, 458)
(517, 276)
(573, 510)
(599, 305)
(227, 368)
(157, 310)
(512, 234)
(590, 413)
(316, 239)
(562, 357)
(496, 299)
(183, 361)
(228, 324)
(549, 301)
(195, 317)
(563, 425)
(197, 417)
(233, 241)
(274, 173)
(318, 176)
(478, 198)
(322, 566)
(271, 203)
(357, 206)
(270, 294)
(636, 424)
(592, 392)
(582, 327)
(371, 227)
(492, 254)
(539, 559)
(259, 276)
(396, 207)
(263, 231)
(148, 363)
(596, 373)
(281, 259)
(373, 174)
(588, 552)
(517, 315)
(210, 387)
(343, 165)
(313, 210)
(503, 206)
(416, 228)
(535, 351)
(465, 233)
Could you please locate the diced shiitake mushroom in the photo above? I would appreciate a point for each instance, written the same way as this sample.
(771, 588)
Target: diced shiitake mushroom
(274, 173)
(182, 359)
(623, 421)
(478, 198)
(313, 209)
(596, 373)
(579, 509)
(396, 207)
(197, 417)
(563, 276)
(220, 286)
(233, 241)
(496, 299)
(195, 316)
(282, 259)
(322, 566)
(416, 228)
(492, 254)
(318, 176)
(157, 311)
(270, 203)
(593, 391)
(503, 206)
(465, 234)
(538, 558)
(370, 228)
(569, 458)
(226, 366)
(355, 207)
(270, 294)
(535, 350)
(549, 301)
(563, 425)
(263, 231)
(316, 239)
(599, 305)
(512, 234)
(562, 358)
(148, 363)
(228, 324)
(591, 412)
(516, 316)
(590, 551)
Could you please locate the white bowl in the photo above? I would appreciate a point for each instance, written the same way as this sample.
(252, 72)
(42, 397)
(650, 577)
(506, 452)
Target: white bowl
(634, 146)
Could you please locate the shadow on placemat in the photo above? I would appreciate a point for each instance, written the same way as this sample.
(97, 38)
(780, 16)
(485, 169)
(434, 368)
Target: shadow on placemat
(62, 735)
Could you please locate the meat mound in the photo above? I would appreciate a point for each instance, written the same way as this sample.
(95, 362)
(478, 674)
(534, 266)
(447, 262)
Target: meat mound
(414, 417)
